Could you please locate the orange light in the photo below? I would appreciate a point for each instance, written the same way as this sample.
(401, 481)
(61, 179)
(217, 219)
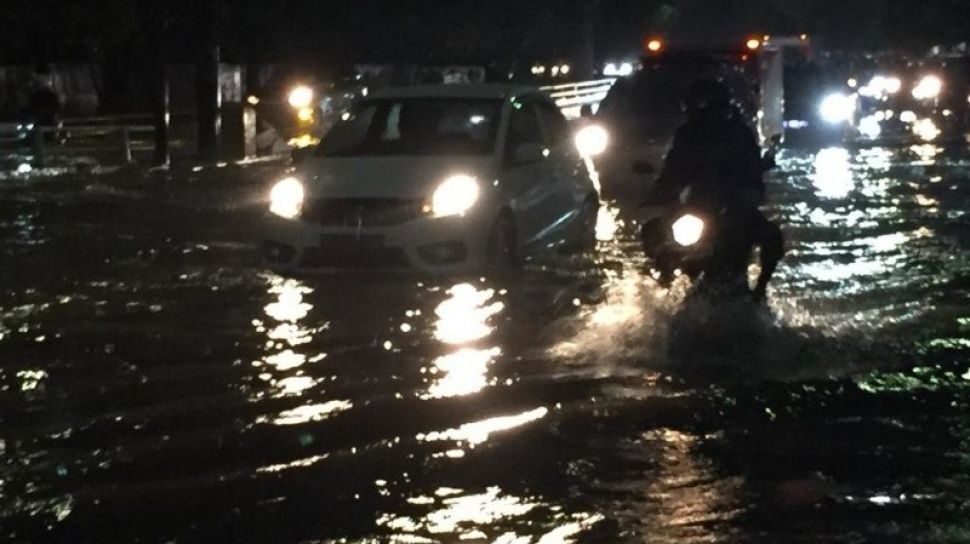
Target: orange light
(654, 45)
(753, 44)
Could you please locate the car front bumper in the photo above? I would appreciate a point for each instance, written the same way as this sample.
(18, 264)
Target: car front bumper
(437, 245)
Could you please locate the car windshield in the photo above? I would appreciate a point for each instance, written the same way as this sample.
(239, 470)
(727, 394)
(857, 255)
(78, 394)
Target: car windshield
(415, 126)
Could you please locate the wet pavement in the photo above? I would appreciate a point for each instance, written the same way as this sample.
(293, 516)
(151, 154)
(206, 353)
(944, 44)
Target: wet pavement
(156, 385)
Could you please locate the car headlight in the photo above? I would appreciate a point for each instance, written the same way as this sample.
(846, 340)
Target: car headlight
(688, 230)
(928, 88)
(592, 140)
(837, 108)
(301, 97)
(286, 198)
(455, 196)
(926, 130)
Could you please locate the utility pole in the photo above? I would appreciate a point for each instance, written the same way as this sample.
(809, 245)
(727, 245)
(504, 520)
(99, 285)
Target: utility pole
(208, 95)
(162, 114)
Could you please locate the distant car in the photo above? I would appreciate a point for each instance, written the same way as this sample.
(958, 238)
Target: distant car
(443, 178)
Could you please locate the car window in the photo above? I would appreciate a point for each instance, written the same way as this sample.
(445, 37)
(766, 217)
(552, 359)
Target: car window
(523, 127)
(415, 126)
(554, 123)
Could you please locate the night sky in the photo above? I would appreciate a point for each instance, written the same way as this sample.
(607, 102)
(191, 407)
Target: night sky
(332, 31)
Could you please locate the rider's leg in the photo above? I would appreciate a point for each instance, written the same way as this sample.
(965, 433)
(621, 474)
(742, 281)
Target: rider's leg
(772, 245)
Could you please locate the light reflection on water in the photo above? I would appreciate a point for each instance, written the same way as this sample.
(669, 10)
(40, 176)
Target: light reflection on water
(462, 373)
(283, 368)
(464, 318)
(833, 173)
(482, 516)
(479, 432)
(692, 497)
(524, 431)
(312, 412)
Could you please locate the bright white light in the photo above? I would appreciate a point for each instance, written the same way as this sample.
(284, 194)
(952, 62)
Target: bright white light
(869, 126)
(455, 196)
(892, 85)
(880, 86)
(833, 173)
(927, 130)
(688, 230)
(928, 88)
(301, 96)
(907, 117)
(476, 119)
(592, 140)
(286, 198)
(837, 108)
(555, 71)
(611, 70)
(464, 316)
(626, 69)
(24, 168)
(564, 69)
(852, 83)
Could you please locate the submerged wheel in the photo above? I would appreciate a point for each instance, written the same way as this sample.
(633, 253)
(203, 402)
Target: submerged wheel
(502, 249)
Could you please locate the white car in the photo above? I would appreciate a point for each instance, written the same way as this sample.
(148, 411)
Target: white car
(447, 178)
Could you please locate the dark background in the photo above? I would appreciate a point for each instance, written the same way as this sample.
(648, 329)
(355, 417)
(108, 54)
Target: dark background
(330, 31)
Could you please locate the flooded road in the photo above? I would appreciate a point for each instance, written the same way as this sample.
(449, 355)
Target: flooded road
(158, 386)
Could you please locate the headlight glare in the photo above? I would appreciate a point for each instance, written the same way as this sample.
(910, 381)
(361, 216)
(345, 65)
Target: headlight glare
(928, 88)
(286, 198)
(455, 196)
(301, 97)
(592, 140)
(837, 108)
(688, 230)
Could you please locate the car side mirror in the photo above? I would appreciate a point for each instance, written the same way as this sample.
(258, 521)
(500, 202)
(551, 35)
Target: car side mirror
(528, 154)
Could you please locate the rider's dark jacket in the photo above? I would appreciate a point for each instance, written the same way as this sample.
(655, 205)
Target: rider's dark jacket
(719, 158)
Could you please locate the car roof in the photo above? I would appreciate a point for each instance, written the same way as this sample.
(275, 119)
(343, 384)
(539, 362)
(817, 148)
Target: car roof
(498, 91)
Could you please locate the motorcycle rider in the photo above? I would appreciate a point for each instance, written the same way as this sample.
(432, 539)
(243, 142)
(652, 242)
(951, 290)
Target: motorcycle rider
(715, 160)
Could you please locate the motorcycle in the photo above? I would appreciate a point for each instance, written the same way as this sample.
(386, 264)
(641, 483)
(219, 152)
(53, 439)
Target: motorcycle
(700, 240)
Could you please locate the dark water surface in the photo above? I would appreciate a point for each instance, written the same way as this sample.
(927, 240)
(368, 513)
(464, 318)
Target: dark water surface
(157, 386)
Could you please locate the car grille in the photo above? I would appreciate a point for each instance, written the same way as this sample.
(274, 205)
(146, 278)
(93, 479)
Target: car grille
(361, 212)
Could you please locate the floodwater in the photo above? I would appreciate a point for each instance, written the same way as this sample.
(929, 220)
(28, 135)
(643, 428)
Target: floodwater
(156, 385)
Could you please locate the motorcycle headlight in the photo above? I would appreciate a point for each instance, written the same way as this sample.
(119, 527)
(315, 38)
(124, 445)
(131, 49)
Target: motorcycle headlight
(300, 97)
(286, 198)
(592, 140)
(688, 230)
(455, 196)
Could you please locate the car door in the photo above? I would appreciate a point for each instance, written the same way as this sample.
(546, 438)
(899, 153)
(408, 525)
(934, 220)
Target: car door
(528, 182)
(569, 177)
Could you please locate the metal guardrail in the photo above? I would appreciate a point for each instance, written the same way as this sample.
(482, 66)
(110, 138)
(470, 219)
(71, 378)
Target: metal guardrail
(571, 97)
(43, 141)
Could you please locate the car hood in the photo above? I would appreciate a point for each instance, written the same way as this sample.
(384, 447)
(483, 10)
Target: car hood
(387, 177)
